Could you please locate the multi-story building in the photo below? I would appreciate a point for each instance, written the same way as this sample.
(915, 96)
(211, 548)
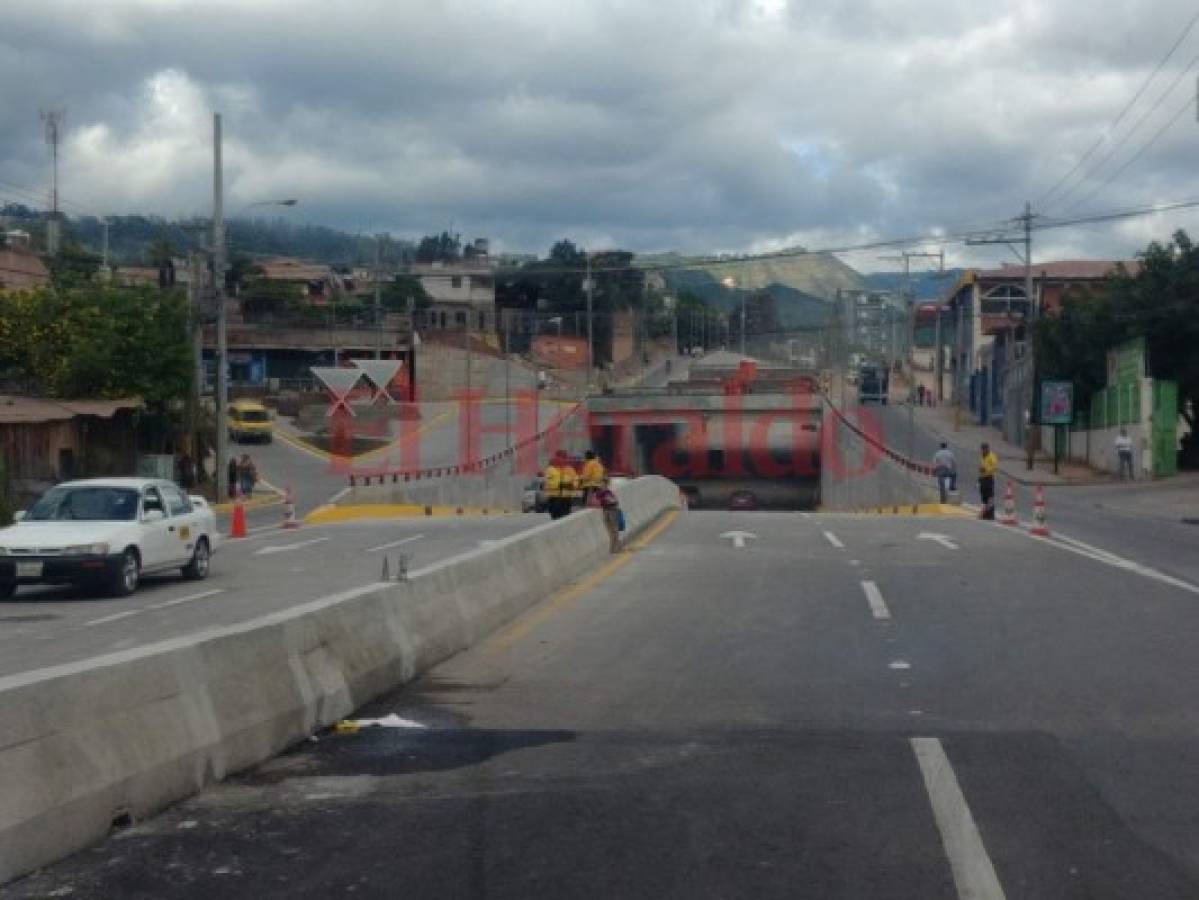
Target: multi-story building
(985, 332)
(461, 292)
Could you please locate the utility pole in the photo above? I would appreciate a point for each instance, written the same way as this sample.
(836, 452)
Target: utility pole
(507, 377)
(53, 119)
(104, 248)
(469, 399)
(589, 286)
(674, 325)
(378, 301)
(742, 324)
(1032, 438)
(1028, 380)
(222, 337)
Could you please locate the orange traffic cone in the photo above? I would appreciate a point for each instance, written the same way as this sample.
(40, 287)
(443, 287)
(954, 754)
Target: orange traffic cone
(1039, 528)
(237, 525)
(289, 510)
(1009, 506)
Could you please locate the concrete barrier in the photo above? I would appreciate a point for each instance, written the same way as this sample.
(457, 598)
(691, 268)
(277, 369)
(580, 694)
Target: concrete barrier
(116, 738)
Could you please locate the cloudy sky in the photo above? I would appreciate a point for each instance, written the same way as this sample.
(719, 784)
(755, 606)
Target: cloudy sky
(693, 125)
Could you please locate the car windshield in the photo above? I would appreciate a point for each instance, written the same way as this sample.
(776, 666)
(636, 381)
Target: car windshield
(254, 415)
(88, 504)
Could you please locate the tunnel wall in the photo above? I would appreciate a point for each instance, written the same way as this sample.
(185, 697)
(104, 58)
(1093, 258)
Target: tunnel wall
(858, 472)
(121, 736)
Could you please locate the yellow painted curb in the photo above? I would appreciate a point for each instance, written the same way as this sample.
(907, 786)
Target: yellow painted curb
(908, 509)
(323, 515)
(301, 444)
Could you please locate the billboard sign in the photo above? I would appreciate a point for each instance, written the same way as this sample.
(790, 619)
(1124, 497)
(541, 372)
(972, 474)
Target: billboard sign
(1057, 402)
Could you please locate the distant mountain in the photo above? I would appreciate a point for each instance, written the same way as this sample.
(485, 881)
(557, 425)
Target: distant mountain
(132, 239)
(923, 285)
(802, 285)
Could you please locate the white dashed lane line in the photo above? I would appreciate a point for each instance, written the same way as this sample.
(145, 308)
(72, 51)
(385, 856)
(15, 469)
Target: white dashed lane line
(834, 540)
(388, 546)
(874, 597)
(973, 873)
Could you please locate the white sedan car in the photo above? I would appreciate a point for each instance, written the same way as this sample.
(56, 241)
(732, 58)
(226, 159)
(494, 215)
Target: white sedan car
(107, 532)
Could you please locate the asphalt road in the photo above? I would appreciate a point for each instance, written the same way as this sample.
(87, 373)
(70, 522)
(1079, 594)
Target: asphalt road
(267, 572)
(845, 707)
(1142, 519)
(439, 440)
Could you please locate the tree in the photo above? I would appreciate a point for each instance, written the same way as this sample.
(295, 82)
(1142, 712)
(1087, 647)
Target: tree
(444, 247)
(1160, 303)
(395, 294)
(73, 266)
(99, 340)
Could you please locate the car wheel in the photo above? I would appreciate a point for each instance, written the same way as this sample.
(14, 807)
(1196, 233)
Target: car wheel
(197, 569)
(7, 589)
(123, 581)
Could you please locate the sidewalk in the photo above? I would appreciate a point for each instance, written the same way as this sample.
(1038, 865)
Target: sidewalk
(965, 436)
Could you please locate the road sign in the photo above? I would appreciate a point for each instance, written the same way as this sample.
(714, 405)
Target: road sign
(1057, 402)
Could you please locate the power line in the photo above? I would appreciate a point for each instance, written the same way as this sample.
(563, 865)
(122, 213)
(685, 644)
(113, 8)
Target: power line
(1139, 153)
(1128, 134)
(1123, 112)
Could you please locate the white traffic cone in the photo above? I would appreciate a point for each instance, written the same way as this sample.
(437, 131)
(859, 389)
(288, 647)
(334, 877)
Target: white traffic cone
(289, 510)
(1009, 506)
(1039, 528)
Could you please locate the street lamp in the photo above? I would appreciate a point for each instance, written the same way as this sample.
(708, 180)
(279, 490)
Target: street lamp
(731, 283)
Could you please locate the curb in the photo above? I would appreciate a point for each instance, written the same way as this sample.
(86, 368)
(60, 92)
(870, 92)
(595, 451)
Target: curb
(361, 512)
(931, 510)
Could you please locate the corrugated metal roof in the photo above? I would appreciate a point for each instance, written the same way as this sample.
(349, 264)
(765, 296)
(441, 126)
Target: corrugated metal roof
(16, 409)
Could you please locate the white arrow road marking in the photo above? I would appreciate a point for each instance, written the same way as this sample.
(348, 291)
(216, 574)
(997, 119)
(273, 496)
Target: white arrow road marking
(407, 540)
(286, 548)
(942, 539)
(973, 873)
(739, 537)
(874, 597)
(834, 540)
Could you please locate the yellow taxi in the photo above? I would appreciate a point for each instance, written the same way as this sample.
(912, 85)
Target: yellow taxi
(249, 421)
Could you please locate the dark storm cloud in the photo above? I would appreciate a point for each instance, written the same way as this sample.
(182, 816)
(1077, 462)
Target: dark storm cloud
(697, 126)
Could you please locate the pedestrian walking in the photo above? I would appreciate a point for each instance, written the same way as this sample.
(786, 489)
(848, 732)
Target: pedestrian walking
(613, 517)
(233, 476)
(920, 395)
(987, 467)
(1124, 453)
(945, 468)
(248, 473)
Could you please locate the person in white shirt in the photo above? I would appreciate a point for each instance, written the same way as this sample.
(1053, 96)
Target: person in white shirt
(1124, 452)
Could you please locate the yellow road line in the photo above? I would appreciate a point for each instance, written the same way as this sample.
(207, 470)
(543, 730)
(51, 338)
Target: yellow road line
(905, 509)
(325, 456)
(506, 637)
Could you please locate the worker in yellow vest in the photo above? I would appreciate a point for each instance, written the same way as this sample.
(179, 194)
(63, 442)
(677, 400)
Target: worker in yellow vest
(561, 486)
(591, 479)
